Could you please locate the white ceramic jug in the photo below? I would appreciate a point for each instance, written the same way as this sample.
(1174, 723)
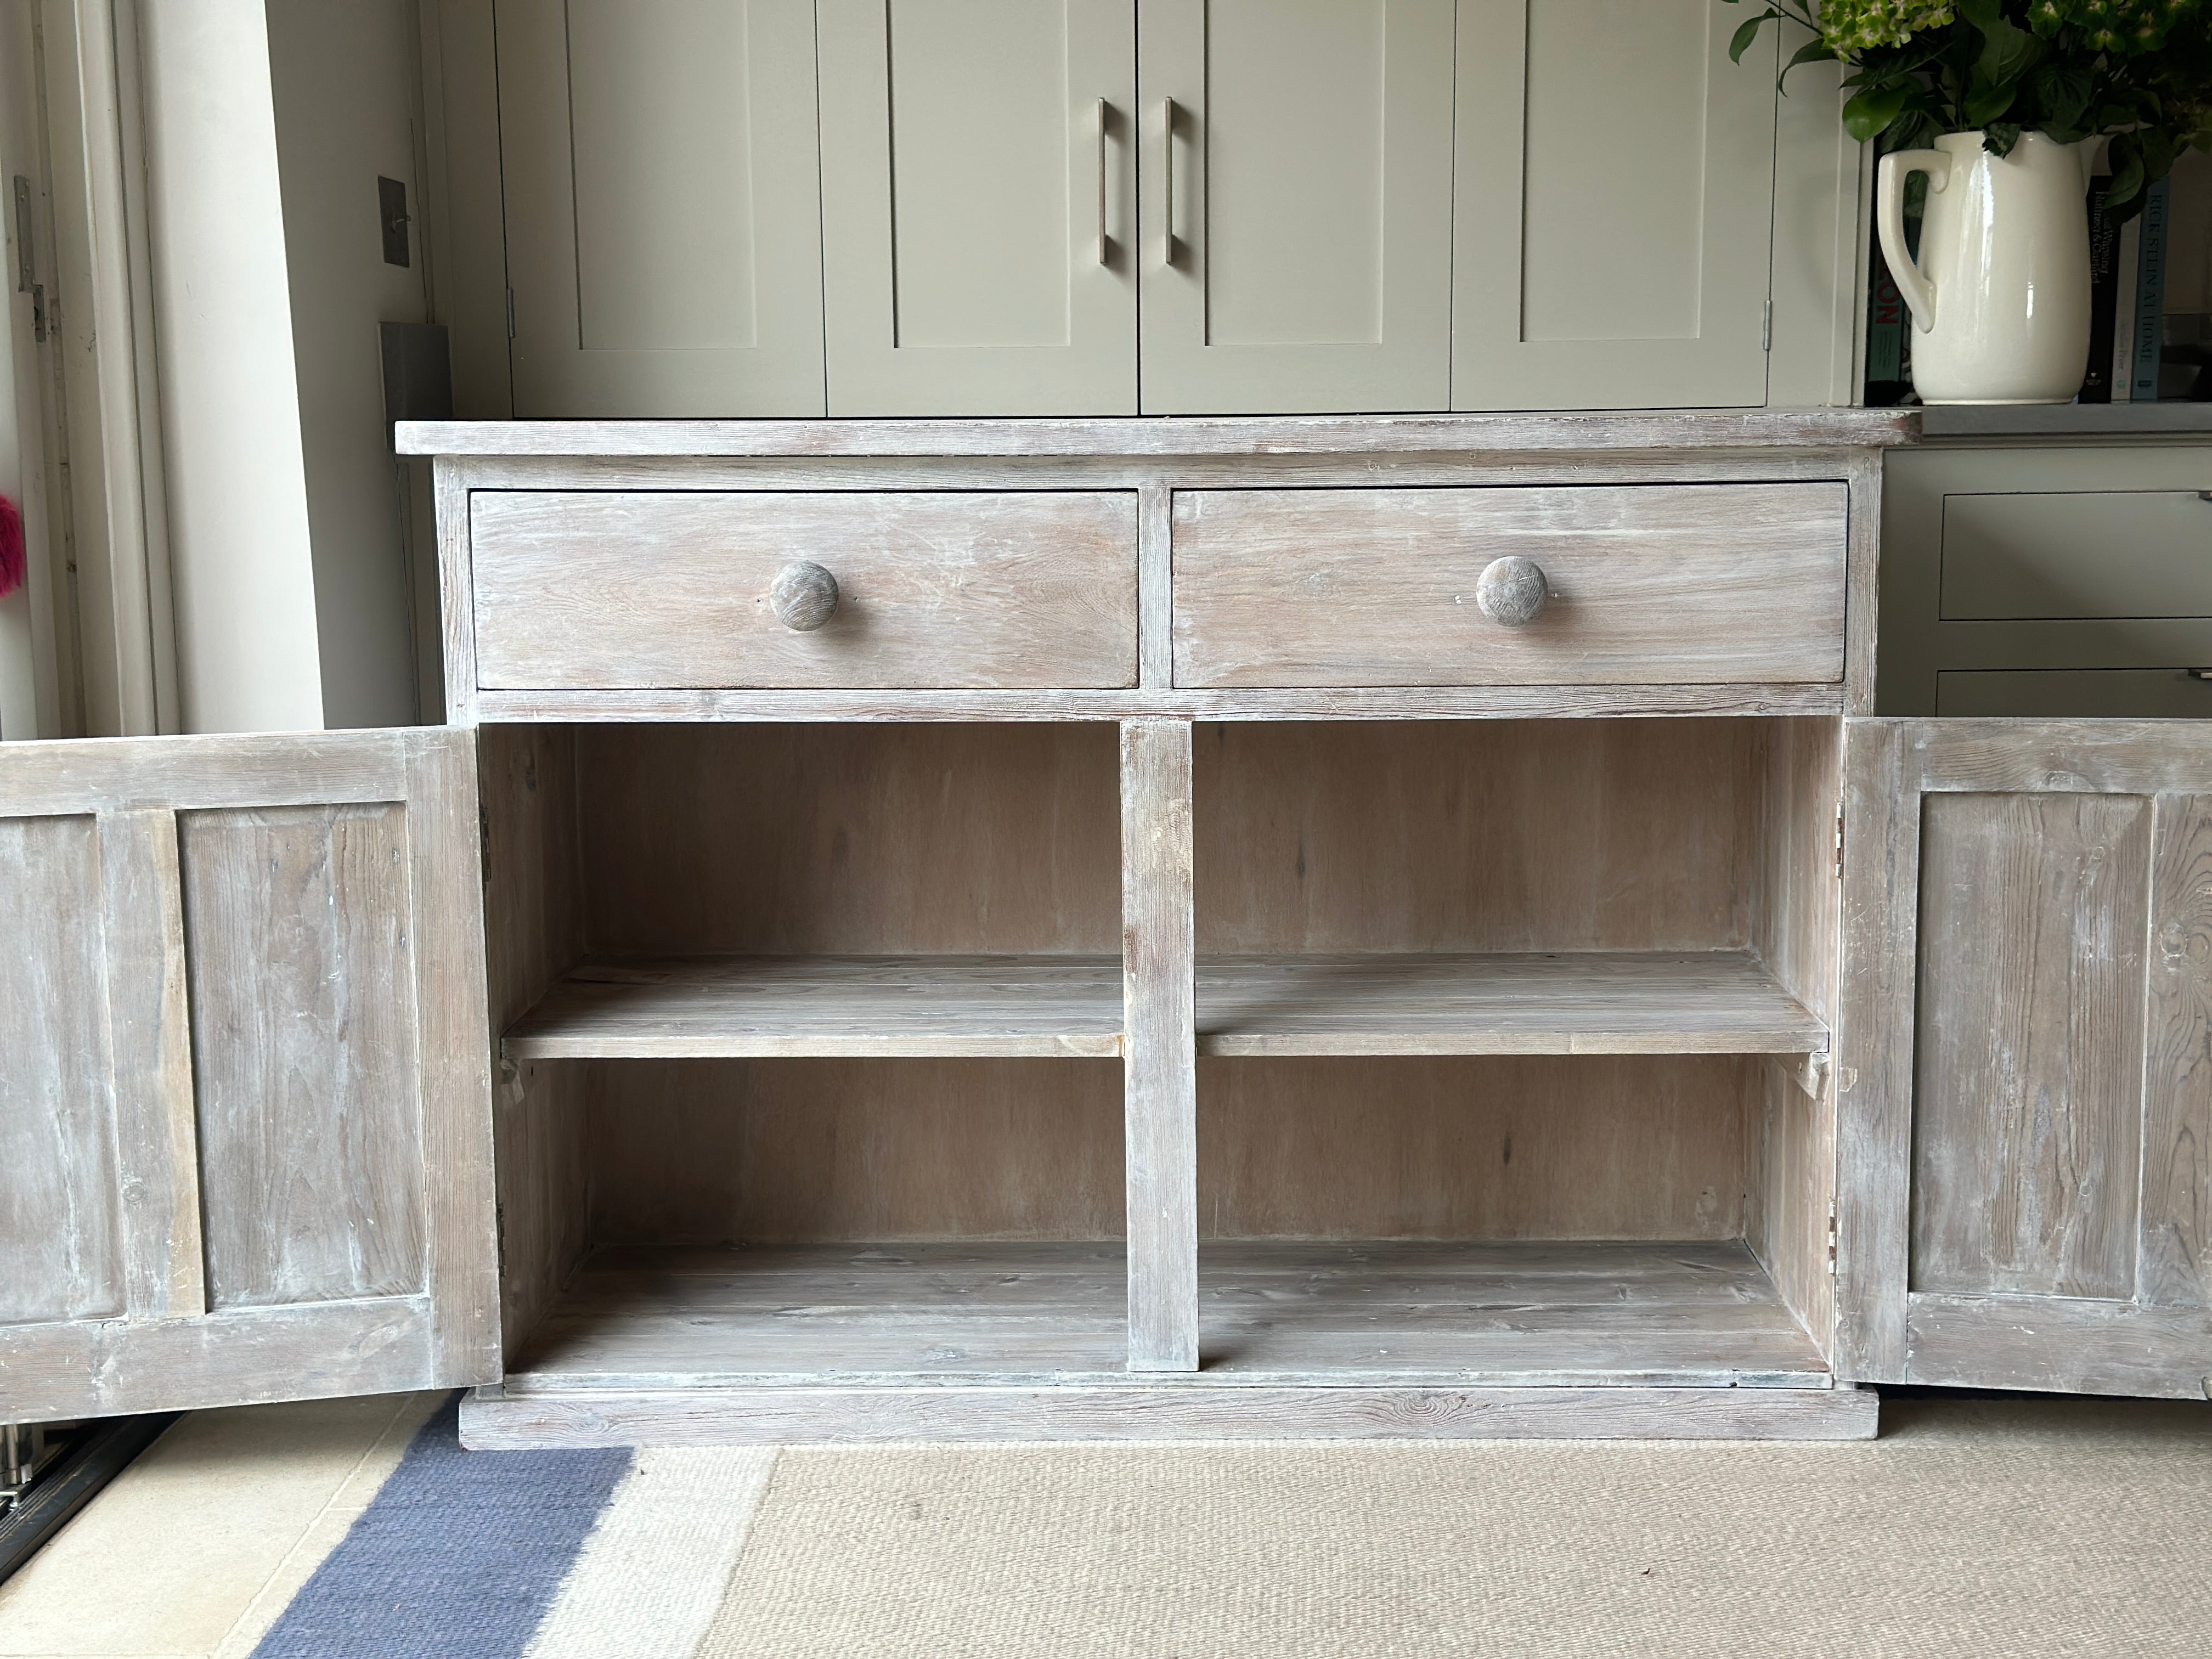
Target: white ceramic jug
(2000, 297)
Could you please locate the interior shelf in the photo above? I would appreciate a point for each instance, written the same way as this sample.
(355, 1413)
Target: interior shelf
(1516, 1003)
(1526, 1314)
(742, 1006)
(1586, 1002)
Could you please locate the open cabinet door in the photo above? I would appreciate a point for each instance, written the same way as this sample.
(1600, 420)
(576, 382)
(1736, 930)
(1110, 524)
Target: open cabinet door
(245, 1088)
(2024, 1056)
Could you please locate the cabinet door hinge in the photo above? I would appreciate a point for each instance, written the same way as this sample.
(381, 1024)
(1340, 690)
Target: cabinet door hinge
(483, 846)
(1839, 841)
(1832, 1238)
(499, 1238)
(510, 313)
(1766, 328)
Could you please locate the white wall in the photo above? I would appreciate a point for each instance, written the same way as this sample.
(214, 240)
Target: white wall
(343, 79)
(240, 553)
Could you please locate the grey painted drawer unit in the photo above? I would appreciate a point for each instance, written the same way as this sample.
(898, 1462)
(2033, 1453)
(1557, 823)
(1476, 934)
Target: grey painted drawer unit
(1173, 965)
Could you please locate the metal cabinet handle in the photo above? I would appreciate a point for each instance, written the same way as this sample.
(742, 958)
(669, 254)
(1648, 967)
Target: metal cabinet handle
(1166, 197)
(803, 596)
(1105, 114)
(1511, 591)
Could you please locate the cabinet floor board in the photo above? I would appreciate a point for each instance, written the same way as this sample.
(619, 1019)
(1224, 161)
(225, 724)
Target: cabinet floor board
(1514, 1003)
(1553, 1314)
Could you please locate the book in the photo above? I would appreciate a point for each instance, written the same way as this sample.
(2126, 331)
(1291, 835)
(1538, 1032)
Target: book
(2149, 329)
(2104, 294)
(2123, 370)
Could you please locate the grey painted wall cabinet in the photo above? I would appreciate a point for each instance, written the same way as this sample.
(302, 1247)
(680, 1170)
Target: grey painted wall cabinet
(1097, 207)
(1103, 1007)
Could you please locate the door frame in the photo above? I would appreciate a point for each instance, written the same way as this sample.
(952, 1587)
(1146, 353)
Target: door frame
(1888, 1331)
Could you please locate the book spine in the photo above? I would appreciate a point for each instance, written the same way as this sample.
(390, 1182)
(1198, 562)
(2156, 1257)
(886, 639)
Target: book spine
(2150, 293)
(2104, 294)
(2123, 311)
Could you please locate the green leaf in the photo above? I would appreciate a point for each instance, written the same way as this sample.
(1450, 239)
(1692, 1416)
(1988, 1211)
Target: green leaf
(1813, 52)
(1985, 100)
(1869, 112)
(1748, 32)
(2063, 90)
(2006, 51)
(2127, 163)
(2001, 137)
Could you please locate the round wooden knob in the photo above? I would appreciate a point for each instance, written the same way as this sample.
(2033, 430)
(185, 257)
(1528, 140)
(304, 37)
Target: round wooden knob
(1511, 591)
(804, 596)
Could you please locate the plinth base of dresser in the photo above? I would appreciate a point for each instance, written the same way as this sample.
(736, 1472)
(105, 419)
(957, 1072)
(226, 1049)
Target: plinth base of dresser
(498, 1417)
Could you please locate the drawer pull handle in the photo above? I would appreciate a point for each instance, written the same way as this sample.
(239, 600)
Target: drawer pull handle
(804, 596)
(1511, 591)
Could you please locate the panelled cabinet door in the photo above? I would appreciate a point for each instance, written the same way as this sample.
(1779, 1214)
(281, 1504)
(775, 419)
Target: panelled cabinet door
(979, 206)
(1297, 206)
(2024, 1058)
(663, 234)
(1615, 197)
(245, 1106)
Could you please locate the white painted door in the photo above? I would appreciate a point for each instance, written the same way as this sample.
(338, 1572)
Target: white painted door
(1297, 205)
(244, 1072)
(979, 206)
(659, 164)
(1615, 205)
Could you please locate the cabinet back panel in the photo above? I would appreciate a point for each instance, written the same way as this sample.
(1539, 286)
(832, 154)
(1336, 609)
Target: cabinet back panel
(60, 1236)
(1476, 835)
(2028, 1102)
(806, 839)
(303, 1014)
(1538, 1147)
(797, 1151)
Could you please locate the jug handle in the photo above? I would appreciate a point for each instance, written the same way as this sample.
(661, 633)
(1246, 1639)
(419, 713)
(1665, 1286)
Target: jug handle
(1889, 223)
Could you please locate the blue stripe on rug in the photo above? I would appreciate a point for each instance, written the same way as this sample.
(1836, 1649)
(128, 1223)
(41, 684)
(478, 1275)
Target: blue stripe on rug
(459, 1556)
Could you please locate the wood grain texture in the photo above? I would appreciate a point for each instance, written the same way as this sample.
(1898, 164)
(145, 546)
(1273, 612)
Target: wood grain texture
(1492, 835)
(1155, 586)
(311, 1152)
(808, 1150)
(2174, 1257)
(987, 590)
(1517, 1003)
(534, 932)
(1315, 704)
(1873, 1043)
(445, 925)
(1519, 1147)
(63, 1222)
(2072, 1346)
(1555, 1315)
(1159, 963)
(457, 613)
(1366, 587)
(836, 840)
(728, 1006)
(149, 1027)
(2028, 1075)
(287, 768)
(1299, 434)
(497, 1419)
(1791, 1196)
(243, 1357)
(1862, 606)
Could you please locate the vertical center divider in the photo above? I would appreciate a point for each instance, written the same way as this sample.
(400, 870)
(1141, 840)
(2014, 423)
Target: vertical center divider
(1159, 1044)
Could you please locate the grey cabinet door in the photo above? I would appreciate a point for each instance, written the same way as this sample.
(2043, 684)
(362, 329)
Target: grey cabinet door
(2024, 1056)
(246, 1105)
(1614, 205)
(663, 231)
(1296, 205)
(979, 206)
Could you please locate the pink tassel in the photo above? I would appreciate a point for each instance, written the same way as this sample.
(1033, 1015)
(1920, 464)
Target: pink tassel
(11, 548)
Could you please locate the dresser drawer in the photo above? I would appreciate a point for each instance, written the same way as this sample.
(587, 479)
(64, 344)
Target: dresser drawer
(1676, 583)
(578, 589)
(2091, 553)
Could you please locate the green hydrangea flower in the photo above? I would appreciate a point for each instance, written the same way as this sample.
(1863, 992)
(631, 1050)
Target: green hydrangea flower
(1850, 27)
(2125, 28)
